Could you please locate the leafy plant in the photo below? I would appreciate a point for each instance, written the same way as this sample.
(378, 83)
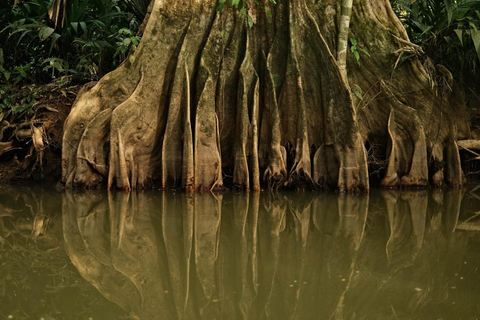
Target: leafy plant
(447, 30)
(16, 74)
(355, 49)
(86, 42)
(125, 39)
(18, 100)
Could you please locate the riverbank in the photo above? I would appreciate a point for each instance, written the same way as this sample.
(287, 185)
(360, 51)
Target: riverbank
(31, 129)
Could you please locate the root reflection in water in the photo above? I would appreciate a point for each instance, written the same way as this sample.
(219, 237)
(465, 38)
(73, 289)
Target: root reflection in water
(269, 256)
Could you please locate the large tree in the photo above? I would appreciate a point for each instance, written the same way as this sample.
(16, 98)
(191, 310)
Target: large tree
(205, 98)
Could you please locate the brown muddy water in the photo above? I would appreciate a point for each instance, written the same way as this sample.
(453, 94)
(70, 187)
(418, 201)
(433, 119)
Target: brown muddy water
(155, 255)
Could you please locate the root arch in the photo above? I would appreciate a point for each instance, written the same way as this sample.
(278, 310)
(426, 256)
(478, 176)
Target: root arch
(205, 97)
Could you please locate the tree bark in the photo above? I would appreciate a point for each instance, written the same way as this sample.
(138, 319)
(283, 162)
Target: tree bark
(206, 101)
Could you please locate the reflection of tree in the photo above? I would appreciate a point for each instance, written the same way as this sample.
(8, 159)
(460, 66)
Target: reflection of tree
(84, 218)
(406, 218)
(406, 269)
(247, 256)
(27, 212)
(36, 279)
(267, 256)
(242, 256)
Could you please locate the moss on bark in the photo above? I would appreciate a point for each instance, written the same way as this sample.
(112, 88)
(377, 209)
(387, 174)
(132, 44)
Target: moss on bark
(205, 97)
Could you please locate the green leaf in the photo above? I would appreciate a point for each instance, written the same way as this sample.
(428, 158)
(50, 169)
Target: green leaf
(364, 51)
(235, 2)
(19, 109)
(220, 6)
(448, 40)
(83, 25)
(250, 21)
(74, 26)
(476, 41)
(358, 94)
(22, 36)
(45, 32)
(448, 7)
(459, 33)
(128, 32)
(357, 55)
(55, 37)
(136, 40)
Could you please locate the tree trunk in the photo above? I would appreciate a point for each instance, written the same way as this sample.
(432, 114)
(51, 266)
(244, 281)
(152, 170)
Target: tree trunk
(206, 100)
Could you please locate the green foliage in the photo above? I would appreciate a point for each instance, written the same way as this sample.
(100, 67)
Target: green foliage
(355, 49)
(125, 39)
(93, 40)
(23, 101)
(16, 100)
(447, 30)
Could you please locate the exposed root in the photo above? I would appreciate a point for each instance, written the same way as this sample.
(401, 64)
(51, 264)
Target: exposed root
(87, 106)
(91, 164)
(254, 162)
(276, 172)
(188, 169)
(407, 166)
(5, 147)
(38, 136)
(454, 173)
(248, 81)
(208, 164)
(353, 174)
(205, 96)
(320, 167)
(469, 144)
(301, 168)
(438, 165)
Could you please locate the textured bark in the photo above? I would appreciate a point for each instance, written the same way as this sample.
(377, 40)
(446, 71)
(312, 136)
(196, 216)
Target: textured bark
(205, 98)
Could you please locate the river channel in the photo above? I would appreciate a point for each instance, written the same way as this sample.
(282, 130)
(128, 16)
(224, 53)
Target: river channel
(287, 255)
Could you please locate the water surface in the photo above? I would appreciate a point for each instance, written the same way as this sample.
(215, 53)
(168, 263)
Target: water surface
(155, 255)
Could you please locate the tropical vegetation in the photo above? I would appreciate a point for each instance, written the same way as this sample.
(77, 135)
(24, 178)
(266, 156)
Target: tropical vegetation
(448, 32)
(60, 42)
(90, 39)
